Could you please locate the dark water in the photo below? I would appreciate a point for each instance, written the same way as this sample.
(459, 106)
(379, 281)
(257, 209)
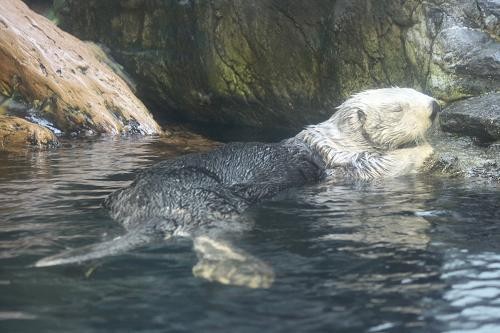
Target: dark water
(407, 255)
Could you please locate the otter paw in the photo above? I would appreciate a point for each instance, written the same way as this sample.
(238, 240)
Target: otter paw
(220, 262)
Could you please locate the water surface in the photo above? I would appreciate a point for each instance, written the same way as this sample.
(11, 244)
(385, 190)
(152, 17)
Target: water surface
(417, 254)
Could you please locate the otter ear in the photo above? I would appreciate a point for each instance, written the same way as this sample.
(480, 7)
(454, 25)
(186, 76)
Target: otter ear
(361, 116)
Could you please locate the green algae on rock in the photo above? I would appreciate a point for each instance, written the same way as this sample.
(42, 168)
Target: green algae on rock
(255, 63)
(271, 63)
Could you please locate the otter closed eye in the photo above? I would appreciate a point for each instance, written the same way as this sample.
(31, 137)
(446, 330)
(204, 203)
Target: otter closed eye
(374, 134)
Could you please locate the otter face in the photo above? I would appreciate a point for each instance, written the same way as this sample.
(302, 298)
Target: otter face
(392, 117)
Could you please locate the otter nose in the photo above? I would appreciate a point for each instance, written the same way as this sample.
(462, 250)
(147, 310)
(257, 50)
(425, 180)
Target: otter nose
(435, 110)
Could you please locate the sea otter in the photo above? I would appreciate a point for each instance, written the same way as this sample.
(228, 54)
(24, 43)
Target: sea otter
(374, 134)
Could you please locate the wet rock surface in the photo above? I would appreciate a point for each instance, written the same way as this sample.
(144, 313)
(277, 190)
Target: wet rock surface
(477, 117)
(271, 63)
(473, 150)
(457, 50)
(254, 63)
(62, 81)
(462, 157)
(17, 133)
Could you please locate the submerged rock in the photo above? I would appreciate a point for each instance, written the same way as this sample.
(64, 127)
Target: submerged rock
(65, 82)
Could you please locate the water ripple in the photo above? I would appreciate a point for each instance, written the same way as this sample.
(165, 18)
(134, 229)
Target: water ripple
(474, 291)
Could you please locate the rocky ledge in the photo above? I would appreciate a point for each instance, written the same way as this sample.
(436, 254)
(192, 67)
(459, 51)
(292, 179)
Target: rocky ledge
(477, 117)
(62, 81)
(462, 157)
(472, 146)
(272, 63)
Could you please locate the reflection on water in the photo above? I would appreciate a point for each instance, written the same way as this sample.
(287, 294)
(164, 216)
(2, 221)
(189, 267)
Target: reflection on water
(406, 255)
(474, 295)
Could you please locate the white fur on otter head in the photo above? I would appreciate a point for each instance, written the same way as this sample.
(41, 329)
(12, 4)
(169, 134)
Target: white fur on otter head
(370, 134)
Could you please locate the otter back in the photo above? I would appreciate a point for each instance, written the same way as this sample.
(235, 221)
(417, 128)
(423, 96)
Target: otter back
(195, 190)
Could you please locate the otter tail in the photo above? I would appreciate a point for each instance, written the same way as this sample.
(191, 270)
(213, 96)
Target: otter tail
(112, 247)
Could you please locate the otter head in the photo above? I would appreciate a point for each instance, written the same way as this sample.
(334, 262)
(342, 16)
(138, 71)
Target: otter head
(387, 119)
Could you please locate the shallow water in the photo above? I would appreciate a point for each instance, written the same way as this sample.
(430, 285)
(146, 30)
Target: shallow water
(407, 255)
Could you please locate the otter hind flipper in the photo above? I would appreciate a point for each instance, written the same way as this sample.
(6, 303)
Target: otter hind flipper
(112, 247)
(221, 262)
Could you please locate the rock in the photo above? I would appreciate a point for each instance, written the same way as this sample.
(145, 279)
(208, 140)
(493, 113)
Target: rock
(17, 133)
(67, 82)
(490, 10)
(470, 52)
(454, 47)
(477, 117)
(271, 63)
(463, 157)
(466, 62)
(255, 63)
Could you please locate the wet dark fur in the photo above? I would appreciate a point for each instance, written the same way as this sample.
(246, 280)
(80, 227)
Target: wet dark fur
(196, 190)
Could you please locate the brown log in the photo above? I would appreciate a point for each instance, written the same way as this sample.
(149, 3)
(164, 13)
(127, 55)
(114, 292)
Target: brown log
(71, 79)
(18, 133)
